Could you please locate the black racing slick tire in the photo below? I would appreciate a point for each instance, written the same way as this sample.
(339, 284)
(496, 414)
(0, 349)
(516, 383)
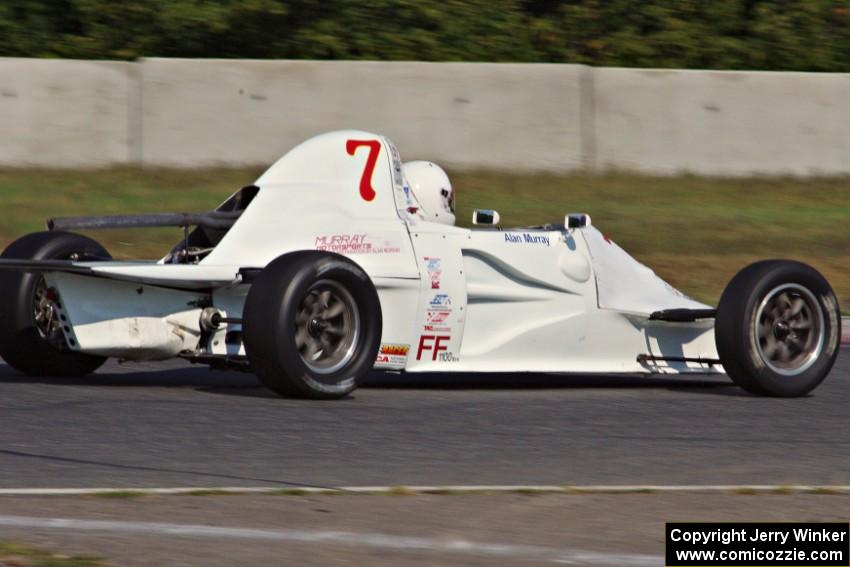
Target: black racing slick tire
(28, 343)
(778, 328)
(312, 325)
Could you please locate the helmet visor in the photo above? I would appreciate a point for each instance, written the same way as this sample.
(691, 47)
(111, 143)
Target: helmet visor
(449, 197)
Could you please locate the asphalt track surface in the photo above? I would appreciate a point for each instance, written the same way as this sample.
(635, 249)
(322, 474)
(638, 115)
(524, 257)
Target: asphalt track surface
(149, 425)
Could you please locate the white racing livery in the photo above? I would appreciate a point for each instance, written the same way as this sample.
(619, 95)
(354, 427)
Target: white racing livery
(340, 259)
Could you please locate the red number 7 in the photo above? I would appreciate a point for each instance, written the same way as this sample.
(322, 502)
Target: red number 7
(366, 189)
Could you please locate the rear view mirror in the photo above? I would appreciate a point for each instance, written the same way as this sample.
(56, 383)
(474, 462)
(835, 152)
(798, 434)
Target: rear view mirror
(485, 217)
(577, 220)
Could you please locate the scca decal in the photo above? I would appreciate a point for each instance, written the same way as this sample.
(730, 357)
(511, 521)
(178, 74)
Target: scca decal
(392, 355)
(366, 189)
(434, 343)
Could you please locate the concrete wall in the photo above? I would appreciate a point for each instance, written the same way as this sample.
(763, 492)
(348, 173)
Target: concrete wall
(64, 113)
(194, 113)
(471, 115)
(729, 123)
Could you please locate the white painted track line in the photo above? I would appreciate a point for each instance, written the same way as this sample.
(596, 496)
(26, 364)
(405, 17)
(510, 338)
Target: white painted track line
(372, 540)
(443, 489)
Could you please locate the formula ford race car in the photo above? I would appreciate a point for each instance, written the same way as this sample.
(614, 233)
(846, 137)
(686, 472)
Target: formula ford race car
(341, 259)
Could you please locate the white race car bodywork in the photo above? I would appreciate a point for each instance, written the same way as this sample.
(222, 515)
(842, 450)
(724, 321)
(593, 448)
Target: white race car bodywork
(453, 299)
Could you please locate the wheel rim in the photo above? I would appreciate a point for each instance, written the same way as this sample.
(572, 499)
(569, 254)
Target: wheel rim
(327, 326)
(46, 314)
(789, 327)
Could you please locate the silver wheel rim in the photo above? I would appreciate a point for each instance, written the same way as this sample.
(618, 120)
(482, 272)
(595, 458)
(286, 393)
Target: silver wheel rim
(789, 329)
(327, 326)
(45, 314)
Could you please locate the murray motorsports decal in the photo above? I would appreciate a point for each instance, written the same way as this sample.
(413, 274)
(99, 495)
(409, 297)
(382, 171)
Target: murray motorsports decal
(355, 243)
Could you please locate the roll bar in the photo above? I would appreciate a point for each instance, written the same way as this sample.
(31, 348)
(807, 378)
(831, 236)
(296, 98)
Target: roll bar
(221, 220)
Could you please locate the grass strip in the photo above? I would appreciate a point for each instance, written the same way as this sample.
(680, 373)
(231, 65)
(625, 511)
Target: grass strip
(695, 232)
(21, 555)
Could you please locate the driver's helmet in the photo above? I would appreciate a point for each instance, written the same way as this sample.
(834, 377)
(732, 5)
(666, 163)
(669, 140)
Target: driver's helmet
(432, 188)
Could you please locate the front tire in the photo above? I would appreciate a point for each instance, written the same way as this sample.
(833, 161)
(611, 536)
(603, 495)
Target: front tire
(778, 328)
(31, 341)
(312, 325)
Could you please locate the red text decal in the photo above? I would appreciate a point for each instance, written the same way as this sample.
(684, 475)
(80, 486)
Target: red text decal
(436, 348)
(366, 189)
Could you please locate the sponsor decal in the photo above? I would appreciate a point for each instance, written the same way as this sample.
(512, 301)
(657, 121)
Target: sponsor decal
(400, 350)
(393, 355)
(435, 271)
(398, 176)
(437, 317)
(526, 238)
(354, 244)
(434, 329)
(441, 300)
(436, 321)
(433, 343)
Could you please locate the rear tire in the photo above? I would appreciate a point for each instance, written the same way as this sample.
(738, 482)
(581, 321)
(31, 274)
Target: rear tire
(312, 325)
(39, 348)
(778, 328)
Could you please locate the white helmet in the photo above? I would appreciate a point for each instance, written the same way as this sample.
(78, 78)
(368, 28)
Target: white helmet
(432, 188)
